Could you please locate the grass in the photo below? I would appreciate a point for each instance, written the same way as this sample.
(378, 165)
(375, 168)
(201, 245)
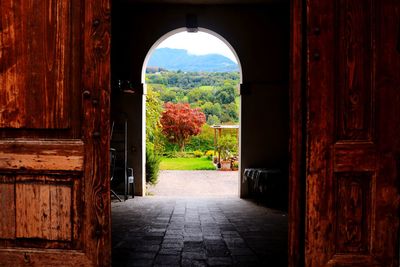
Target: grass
(186, 164)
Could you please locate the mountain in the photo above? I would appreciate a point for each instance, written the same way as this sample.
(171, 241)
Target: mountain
(180, 59)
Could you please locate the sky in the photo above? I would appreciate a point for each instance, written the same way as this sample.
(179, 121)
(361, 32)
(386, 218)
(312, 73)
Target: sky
(199, 43)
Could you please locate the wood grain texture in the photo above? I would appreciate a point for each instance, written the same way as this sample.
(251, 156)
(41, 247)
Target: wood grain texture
(30, 155)
(355, 83)
(353, 202)
(7, 211)
(35, 42)
(43, 211)
(354, 156)
(353, 127)
(96, 79)
(320, 116)
(296, 148)
(43, 258)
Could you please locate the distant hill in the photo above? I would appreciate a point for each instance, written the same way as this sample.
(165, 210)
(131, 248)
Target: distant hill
(180, 59)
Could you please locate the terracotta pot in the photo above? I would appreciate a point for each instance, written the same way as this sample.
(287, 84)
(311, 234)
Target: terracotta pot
(225, 165)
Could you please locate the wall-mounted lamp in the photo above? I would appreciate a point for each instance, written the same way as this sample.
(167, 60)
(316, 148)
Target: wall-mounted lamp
(124, 86)
(191, 23)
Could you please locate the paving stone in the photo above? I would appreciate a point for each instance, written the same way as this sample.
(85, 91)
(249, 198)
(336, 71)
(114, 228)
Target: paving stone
(200, 255)
(241, 252)
(147, 248)
(170, 251)
(172, 245)
(139, 263)
(168, 260)
(193, 263)
(217, 251)
(219, 261)
(197, 232)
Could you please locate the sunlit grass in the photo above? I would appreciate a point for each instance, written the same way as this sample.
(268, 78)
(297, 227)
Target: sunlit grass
(186, 164)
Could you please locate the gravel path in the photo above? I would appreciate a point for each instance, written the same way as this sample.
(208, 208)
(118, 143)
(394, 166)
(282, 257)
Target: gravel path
(196, 184)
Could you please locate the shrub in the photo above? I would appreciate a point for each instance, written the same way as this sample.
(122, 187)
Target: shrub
(227, 145)
(210, 154)
(182, 154)
(152, 166)
(198, 153)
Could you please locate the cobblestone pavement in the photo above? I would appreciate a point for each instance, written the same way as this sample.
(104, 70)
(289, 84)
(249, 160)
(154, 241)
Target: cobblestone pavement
(171, 231)
(196, 183)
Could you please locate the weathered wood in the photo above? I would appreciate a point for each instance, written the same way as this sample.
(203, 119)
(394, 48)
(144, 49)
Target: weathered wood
(35, 42)
(50, 51)
(355, 98)
(31, 155)
(296, 172)
(33, 257)
(96, 80)
(43, 211)
(7, 212)
(353, 127)
(354, 156)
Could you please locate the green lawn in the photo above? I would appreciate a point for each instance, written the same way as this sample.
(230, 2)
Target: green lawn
(186, 164)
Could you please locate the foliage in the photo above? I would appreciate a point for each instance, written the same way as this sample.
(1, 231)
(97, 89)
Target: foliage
(153, 126)
(215, 93)
(210, 154)
(204, 141)
(198, 153)
(213, 120)
(186, 164)
(152, 166)
(168, 96)
(180, 122)
(227, 145)
(188, 80)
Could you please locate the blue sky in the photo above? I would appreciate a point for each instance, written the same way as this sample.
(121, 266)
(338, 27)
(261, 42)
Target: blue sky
(199, 43)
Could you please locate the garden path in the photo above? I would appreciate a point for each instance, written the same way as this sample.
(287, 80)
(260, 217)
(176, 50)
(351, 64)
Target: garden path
(196, 184)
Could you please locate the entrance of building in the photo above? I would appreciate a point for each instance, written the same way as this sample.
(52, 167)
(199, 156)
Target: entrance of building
(343, 105)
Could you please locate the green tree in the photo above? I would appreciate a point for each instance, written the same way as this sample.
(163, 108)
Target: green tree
(168, 96)
(153, 115)
(213, 120)
(211, 109)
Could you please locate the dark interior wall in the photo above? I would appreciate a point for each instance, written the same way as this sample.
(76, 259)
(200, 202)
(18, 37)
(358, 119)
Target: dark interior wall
(259, 33)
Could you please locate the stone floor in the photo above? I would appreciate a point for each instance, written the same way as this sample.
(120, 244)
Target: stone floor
(206, 231)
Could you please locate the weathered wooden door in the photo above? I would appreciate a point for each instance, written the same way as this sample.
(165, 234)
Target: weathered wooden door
(353, 128)
(54, 108)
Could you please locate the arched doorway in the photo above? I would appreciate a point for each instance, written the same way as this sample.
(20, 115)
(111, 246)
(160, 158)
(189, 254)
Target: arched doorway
(263, 61)
(222, 114)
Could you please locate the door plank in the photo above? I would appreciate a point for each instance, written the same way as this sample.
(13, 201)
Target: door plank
(7, 215)
(28, 155)
(36, 45)
(43, 211)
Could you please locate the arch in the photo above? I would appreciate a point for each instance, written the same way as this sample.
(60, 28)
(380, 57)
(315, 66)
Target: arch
(143, 81)
(183, 29)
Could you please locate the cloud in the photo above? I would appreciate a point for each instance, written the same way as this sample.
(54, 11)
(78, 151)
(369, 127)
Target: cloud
(199, 43)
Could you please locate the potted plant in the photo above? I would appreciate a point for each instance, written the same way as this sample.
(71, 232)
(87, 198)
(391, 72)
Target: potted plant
(235, 165)
(226, 147)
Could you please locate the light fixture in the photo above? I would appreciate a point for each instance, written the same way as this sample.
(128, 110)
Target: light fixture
(191, 23)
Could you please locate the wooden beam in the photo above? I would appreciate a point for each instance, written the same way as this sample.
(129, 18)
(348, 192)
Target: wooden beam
(25, 155)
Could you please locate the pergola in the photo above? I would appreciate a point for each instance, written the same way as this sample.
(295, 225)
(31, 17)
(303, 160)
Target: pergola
(219, 128)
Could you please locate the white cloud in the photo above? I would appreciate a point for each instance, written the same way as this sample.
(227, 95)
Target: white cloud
(199, 43)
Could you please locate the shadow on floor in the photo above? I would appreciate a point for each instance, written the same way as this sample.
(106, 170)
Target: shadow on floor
(170, 231)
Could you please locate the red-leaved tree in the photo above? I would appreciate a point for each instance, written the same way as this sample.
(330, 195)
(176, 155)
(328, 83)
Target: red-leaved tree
(180, 122)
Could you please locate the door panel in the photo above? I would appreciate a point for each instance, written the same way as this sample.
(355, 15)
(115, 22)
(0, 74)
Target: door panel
(35, 60)
(54, 133)
(352, 197)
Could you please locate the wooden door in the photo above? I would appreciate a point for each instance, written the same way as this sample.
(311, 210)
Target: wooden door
(54, 133)
(353, 128)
